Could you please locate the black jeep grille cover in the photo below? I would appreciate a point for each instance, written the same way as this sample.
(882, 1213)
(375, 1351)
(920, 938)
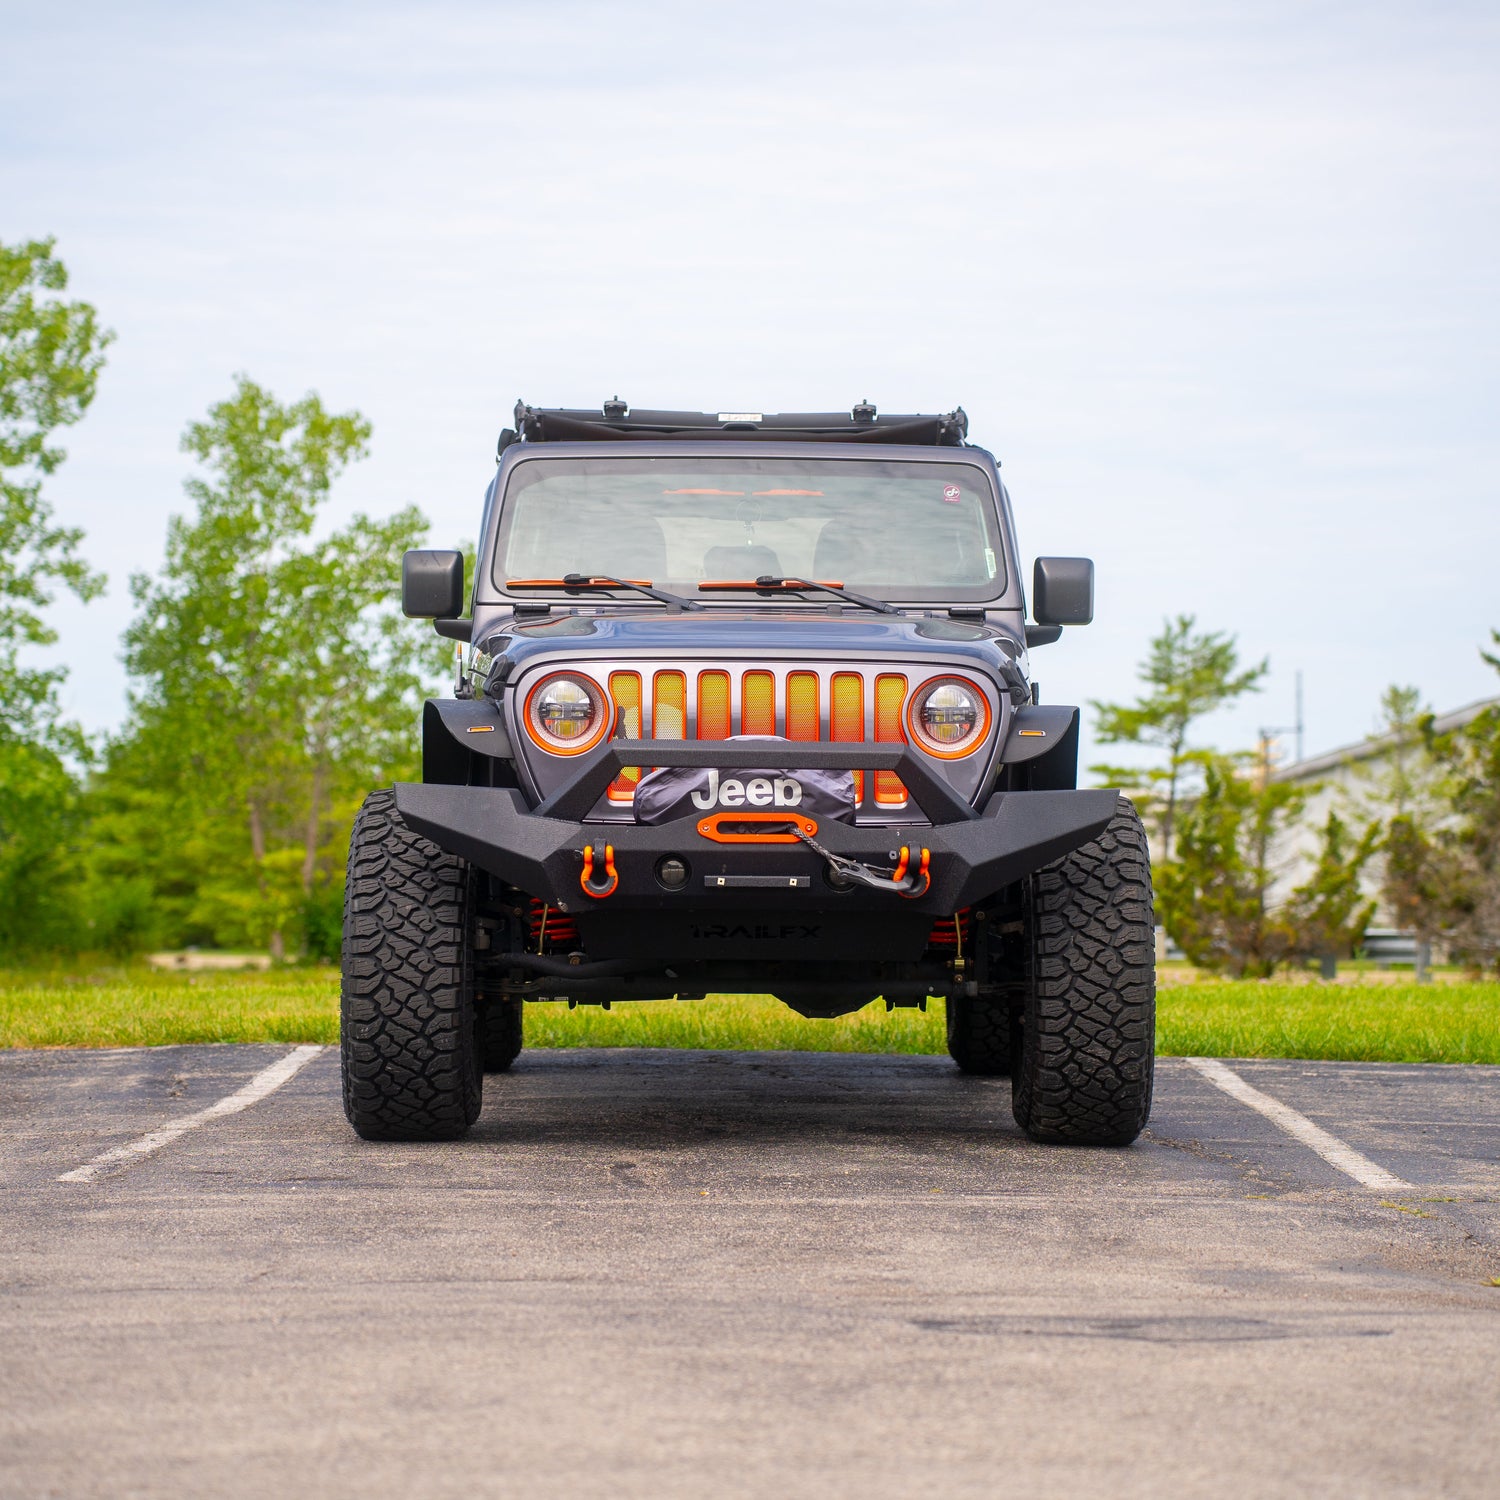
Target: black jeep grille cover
(682, 791)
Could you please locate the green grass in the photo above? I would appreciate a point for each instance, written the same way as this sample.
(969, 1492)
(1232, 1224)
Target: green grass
(1437, 1023)
(131, 1007)
(737, 1023)
(139, 1007)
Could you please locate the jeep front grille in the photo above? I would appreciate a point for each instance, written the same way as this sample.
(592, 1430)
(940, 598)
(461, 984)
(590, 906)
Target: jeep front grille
(676, 700)
(797, 704)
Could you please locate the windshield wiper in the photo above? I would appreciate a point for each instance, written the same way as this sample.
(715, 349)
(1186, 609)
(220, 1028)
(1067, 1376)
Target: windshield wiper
(576, 581)
(766, 583)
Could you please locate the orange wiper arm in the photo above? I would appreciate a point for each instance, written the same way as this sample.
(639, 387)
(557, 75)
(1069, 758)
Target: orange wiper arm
(767, 584)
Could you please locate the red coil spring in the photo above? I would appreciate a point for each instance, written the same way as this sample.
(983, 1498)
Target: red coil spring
(943, 934)
(546, 925)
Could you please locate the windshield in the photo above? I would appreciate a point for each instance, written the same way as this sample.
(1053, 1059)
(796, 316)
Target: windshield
(895, 528)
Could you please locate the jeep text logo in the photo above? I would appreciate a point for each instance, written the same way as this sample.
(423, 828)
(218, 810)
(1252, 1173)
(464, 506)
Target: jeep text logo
(759, 791)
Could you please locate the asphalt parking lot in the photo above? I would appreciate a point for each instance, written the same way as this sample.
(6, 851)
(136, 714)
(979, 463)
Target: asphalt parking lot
(709, 1274)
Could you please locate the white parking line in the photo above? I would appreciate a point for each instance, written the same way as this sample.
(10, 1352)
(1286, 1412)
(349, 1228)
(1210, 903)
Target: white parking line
(267, 1081)
(1299, 1127)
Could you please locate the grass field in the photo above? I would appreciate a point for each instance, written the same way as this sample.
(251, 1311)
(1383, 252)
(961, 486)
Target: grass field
(131, 1007)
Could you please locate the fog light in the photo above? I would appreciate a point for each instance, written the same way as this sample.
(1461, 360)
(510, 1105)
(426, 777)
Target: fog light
(672, 872)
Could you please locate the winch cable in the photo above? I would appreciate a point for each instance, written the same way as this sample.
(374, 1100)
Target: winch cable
(857, 873)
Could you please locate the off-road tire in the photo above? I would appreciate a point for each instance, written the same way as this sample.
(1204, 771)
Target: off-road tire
(1088, 1029)
(499, 1034)
(981, 1034)
(409, 1040)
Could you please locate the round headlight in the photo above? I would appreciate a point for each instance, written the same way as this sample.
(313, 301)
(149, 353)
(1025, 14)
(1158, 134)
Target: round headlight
(567, 714)
(949, 717)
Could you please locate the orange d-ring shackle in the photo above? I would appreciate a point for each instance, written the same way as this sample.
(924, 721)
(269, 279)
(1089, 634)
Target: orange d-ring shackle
(606, 887)
(921, 881)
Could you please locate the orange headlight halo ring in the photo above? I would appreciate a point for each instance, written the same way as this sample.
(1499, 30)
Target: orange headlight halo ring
(602, 703)
(971, 741)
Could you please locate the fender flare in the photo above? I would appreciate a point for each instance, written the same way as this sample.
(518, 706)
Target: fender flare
(456, 729)
(1040, 752)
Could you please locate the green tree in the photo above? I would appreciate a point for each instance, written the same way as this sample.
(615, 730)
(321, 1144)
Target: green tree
(1188, 673)
(51, 352)
(1218, 897)
(1407, 791)
(1462, 891)
(276, 682)
(1326, 916)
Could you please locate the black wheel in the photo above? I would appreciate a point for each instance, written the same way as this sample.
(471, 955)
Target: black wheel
(499, 1034)
(981, 1034)
(1088, 1030)
(408, 1038)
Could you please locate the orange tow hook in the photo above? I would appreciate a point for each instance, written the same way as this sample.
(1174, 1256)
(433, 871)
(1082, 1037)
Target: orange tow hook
(606, 887)
(921, 881)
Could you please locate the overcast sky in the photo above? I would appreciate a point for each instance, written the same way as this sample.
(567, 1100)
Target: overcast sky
(1217, 283)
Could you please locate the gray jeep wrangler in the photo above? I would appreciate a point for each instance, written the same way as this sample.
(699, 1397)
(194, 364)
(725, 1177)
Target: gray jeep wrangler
(745, 705)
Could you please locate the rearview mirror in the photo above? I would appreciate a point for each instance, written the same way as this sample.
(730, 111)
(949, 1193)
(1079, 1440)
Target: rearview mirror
(432, 585)
(1062, 591)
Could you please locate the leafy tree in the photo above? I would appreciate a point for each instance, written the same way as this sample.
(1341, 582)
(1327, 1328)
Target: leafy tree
(1327, 914)
(39, 830)
(51, 352)
(1188, 673)
(1462, 866)
(276, 682)
(1217, 897)
(1406, 790)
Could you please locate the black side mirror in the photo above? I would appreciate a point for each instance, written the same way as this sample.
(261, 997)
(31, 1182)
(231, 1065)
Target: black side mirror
(432, 585)
(1062, 591)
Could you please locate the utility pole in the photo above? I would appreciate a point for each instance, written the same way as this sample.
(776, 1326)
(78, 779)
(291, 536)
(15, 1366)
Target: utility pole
(1271, 733)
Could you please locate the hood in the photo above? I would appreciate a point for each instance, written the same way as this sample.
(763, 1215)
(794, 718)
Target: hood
(763, 633)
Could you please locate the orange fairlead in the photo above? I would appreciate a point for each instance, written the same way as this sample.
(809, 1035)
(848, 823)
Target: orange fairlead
(611, 881)
(757, 828)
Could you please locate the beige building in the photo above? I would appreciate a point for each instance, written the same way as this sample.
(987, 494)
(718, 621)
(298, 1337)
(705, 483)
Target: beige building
(1339, 780)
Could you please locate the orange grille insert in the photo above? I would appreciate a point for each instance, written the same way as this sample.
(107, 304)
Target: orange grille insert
(802, 706)
(625, 689)
(757, 703)
(713, 705)
(890, 699)
(847, 717)
(669, 706)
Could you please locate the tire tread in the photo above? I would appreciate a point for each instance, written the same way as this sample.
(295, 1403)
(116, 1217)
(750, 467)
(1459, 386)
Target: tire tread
(1089, 1032)
(407, 1027)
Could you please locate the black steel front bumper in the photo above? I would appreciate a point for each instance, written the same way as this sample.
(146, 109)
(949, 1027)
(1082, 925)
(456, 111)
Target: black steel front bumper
(752, 901)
